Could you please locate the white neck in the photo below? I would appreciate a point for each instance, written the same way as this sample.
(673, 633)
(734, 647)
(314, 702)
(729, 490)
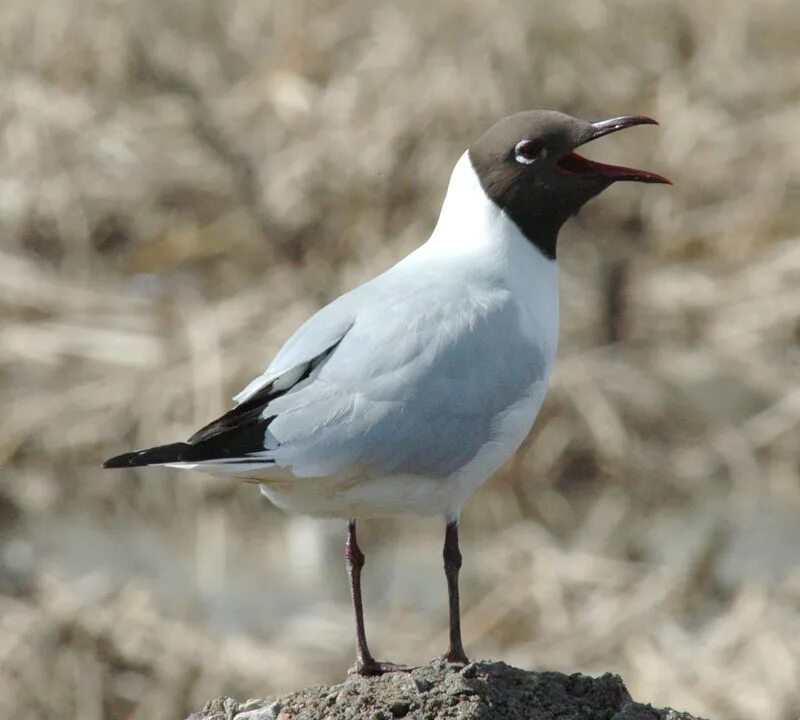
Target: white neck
(468, 218)
(472, 227)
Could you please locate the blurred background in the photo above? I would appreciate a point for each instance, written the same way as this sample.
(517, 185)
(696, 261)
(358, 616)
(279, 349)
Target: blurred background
(183, 182)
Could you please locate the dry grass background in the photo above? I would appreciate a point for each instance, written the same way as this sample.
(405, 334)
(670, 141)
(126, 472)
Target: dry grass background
(181, 183)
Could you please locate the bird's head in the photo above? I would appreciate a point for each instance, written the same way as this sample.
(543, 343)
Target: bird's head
(527, 165)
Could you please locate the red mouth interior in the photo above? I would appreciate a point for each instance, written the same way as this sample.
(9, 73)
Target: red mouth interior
(574, 164)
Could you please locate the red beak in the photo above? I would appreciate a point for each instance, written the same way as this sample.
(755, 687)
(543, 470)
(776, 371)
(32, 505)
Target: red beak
(574, 164)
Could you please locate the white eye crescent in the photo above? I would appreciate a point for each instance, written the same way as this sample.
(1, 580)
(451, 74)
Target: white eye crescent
(527, 152)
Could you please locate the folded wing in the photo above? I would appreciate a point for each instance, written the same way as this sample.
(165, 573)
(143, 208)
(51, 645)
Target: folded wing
(409, 384)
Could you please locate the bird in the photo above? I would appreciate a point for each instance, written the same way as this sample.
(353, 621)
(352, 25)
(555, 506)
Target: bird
(405, 394)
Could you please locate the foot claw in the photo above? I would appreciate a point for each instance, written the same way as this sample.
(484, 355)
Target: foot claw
(373, 668)
(458, 658)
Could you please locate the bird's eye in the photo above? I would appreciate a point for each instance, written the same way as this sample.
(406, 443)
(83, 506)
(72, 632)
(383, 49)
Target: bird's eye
(529, 151)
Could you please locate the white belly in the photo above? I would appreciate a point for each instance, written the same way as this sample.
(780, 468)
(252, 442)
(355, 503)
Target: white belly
(356, 495)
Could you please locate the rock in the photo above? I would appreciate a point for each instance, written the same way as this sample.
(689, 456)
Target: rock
(480, 691)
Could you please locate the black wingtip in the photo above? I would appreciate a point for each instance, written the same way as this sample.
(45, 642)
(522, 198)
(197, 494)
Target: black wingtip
(120, 461)
(149, 456)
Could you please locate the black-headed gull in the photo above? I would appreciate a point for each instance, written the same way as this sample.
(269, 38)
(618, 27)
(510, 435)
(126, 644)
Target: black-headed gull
(405, 394)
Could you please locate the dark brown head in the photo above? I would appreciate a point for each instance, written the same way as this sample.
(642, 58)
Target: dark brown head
(527, 166)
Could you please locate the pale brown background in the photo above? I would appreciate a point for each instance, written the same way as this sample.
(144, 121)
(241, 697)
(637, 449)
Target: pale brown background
(182, 182)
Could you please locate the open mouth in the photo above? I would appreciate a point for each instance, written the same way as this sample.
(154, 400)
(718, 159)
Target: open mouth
(574, 164)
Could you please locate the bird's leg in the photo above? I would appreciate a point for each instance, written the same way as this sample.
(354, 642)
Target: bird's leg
(452, 564)
(354, 558)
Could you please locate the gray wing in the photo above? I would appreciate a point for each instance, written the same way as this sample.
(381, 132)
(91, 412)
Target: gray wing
(415, 386)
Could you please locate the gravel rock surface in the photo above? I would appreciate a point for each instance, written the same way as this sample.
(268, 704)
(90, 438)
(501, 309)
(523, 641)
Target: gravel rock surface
(480, 691)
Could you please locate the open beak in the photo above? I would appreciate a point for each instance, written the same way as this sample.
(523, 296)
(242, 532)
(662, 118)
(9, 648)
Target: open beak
(574, 164)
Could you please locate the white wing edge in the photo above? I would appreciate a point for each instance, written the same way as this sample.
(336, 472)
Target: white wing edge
(314, 338)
